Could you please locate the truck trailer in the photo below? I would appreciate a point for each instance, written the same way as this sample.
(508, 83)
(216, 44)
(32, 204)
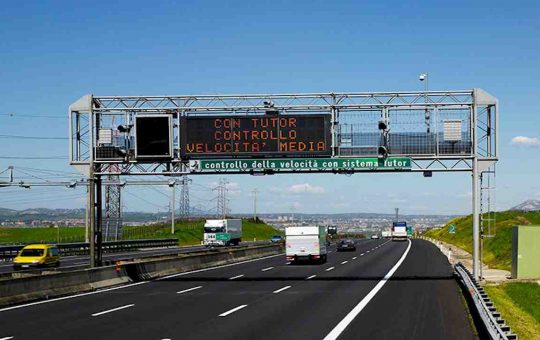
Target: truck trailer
(306, 243)
(222, 232)
(399, 231)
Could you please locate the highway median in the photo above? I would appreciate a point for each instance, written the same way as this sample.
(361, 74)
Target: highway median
(26, 289)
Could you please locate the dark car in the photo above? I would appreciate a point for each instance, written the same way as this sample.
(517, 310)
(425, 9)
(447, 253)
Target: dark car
(346, 245)
(276, 239)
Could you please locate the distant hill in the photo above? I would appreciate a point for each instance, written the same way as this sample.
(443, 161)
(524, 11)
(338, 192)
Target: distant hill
(528, 205)
(28, 215)
(44, 214)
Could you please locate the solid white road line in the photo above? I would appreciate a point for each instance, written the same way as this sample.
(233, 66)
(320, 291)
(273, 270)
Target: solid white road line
(266, 269)
(344, 262)
(188, 290)
(340, 327)
(329, 269)
(310, 277)
(281, 289)
(134, 284)
(113, 310)
(236, 277)
(6, 338)
(232, 310)
(354, 258)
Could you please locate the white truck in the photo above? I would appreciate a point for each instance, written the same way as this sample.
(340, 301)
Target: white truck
(385, 234)
(222, 232)
(306, 243)
(399, 231)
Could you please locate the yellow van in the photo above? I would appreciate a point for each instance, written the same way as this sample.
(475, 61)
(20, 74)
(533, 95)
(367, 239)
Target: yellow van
(37, 255)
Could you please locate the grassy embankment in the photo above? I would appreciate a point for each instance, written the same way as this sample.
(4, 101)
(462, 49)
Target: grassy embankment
(519, 302)
(187, 232)
(498, 249)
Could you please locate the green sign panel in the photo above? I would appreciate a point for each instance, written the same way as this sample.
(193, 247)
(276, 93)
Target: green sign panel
(223, 236)
(302, 164)
(452, 229)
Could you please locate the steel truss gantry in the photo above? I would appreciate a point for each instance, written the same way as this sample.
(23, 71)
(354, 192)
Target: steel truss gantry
(417, 129)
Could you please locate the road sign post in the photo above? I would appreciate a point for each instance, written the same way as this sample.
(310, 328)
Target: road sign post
(289, 133)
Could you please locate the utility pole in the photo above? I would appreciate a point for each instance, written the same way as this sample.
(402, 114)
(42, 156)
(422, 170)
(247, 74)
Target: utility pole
(94, 195)
(87, 216)
(172, 184)
(113, 210)
(92, 208)
(397, 215)
(99, 220)
(255, 192)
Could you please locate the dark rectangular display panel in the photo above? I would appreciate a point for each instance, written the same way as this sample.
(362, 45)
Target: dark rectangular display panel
(153, 137)
(255, 136)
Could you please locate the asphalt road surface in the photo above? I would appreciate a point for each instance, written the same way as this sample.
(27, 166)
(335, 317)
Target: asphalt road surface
(383, 290)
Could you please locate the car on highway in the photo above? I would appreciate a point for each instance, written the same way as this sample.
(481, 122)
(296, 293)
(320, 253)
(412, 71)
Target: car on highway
(276, 238)
(374, 237)
(346, 244)
(37, 255)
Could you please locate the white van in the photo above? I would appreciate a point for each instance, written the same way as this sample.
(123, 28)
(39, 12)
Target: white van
(306, 243)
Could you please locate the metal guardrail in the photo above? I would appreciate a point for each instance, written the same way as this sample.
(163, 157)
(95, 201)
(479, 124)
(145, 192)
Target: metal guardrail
(495, 326)
(7, 253)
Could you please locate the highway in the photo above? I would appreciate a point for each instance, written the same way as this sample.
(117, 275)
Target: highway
(84, 260)
(383, 290)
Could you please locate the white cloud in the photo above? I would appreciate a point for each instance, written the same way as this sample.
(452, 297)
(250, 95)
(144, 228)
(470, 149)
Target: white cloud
(305, 188)
(340, 205)
(295, 206)
(527, 141)
(464, 195)
(233, 186)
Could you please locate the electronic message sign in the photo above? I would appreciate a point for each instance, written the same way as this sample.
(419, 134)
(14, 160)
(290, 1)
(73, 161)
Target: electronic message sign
(255, 136)
(153, 137)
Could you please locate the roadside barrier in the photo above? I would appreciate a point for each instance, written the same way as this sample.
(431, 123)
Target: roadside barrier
(491, 320)
(57, 283)
(7, 253)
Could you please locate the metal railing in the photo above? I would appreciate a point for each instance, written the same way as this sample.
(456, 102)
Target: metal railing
(494, 325)
(7, 253)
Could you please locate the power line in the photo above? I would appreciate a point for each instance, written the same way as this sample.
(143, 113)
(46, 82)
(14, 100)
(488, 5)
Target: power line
(14, 115)
(222, 209)
(28, 157)
(184, 198)
(142, 199)
(32, 137)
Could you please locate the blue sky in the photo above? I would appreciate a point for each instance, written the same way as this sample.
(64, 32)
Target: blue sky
(53, 52)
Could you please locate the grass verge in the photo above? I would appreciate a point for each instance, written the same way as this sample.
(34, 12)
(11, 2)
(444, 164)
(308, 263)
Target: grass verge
(519, 305)
(187, 233)
(498, 249)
